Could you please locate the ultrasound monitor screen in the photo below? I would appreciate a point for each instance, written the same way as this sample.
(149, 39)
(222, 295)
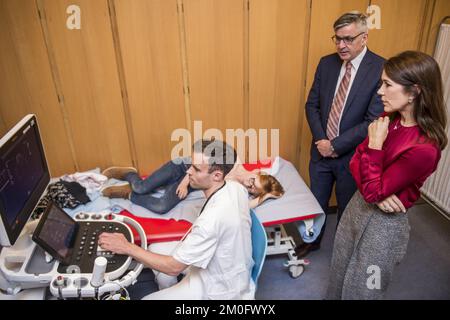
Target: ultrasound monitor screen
(24, 176)
(56, 233)
(22, 169)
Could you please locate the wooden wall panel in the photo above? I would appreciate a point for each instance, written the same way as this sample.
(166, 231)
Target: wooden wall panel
(440, 9)
(89, 84)
(26, 84)
(277, 36)
(3, 127)
(150, 46)
(323, 15)
(401, 26)
(215, 59)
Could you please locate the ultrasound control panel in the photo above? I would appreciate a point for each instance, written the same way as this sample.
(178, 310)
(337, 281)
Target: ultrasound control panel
(86, 249)
(74, 242)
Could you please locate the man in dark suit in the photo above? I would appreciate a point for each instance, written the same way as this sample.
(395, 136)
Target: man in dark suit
(341, 104)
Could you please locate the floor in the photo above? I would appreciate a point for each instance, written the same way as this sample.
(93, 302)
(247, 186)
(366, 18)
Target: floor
(423, 274)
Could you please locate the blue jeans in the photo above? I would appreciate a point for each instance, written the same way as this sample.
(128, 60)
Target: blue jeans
(167, 177)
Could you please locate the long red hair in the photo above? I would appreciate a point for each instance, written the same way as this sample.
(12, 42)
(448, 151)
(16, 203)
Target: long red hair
(269, 184)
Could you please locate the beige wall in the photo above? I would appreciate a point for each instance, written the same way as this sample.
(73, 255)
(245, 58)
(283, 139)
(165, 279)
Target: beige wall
(113, 92)
(152, 76)
(27, 83)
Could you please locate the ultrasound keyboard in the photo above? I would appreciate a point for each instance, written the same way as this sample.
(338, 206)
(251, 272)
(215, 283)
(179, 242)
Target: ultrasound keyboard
(86, 248)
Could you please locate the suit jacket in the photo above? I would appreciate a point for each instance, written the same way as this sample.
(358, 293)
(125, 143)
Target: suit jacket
(363, 104)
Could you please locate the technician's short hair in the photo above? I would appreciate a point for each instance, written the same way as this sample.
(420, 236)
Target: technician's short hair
(352, 17)
(221, 155)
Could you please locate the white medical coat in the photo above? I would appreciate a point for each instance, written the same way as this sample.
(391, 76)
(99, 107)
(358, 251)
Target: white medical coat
(218, 248)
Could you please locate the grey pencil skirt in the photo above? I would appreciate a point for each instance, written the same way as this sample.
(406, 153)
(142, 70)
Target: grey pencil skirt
(368, 244)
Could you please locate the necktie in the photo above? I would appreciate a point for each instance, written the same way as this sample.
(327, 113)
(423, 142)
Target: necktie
(338, 104)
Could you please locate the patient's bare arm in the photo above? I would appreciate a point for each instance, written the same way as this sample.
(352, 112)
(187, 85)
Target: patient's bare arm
(182, 189)
(256, 201)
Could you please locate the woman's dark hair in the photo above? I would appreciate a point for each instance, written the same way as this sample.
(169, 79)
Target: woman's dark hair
(420, 75)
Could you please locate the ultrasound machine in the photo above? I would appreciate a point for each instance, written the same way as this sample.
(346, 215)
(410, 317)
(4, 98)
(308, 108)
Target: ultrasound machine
(57, 251)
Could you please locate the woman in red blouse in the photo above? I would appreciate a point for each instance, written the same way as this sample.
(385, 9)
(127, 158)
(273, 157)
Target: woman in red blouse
(402, 149)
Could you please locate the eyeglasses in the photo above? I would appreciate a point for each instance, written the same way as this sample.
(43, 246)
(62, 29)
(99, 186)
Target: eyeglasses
(347, 40)
(251, 182)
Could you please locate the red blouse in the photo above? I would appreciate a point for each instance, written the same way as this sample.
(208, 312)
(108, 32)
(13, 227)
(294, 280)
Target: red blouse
(401, 167)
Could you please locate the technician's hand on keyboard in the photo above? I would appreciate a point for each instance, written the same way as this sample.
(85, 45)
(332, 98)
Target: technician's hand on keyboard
(115, 242)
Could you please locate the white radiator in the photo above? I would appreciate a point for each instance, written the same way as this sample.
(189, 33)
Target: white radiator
(437, 187)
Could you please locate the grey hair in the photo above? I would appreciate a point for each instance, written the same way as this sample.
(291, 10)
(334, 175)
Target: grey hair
(352, 17)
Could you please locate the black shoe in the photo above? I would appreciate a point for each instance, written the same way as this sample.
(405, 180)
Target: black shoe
(305, 248)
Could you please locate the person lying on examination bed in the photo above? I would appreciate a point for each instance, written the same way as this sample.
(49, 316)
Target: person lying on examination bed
(217, 249)
(174, 179)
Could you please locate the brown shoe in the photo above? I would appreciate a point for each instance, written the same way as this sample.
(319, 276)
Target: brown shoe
(303, 249)
(120, 191)
(118, 172)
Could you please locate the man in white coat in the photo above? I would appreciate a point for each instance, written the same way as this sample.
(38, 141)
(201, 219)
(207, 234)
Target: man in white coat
(217, 249)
